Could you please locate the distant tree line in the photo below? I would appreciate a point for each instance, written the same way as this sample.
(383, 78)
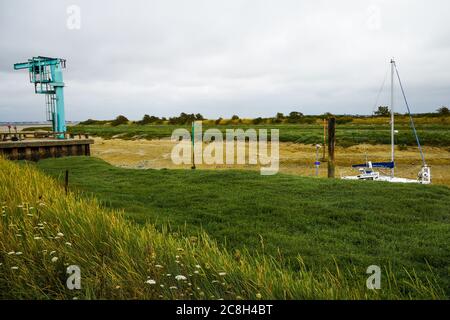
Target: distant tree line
(385, 111)
(279, 118)
(185, 118)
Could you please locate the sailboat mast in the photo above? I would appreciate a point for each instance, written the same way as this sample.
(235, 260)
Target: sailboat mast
(392, 118)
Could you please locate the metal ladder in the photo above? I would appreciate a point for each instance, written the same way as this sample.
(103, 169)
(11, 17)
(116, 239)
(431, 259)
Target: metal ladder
(50, 107)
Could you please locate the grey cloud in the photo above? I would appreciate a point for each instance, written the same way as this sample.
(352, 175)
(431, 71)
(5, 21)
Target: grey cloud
(252, 58)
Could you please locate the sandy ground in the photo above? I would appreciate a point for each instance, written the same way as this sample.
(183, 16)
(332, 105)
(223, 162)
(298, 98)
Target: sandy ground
(294, 158)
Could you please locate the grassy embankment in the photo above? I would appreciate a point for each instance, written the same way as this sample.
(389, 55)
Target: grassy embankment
(399, 227)
(42, 231)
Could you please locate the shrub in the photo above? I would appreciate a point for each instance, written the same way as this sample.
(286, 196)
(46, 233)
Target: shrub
(119, 120)
(443, 111)
(383, 111)
(258, 120)
(93, 122)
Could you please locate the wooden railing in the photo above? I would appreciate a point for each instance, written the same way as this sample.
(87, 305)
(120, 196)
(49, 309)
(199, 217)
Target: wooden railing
(25, 135)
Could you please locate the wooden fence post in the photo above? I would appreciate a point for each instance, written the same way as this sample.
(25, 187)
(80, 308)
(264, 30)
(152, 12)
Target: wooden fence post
(66, 182)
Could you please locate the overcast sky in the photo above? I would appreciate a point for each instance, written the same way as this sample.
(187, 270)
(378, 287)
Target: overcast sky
(219, 58)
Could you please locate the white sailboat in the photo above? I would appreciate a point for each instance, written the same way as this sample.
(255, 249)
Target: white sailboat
(366, 170)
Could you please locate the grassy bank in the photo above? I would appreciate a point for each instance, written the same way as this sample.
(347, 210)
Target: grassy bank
(355, 224)
(43, 231)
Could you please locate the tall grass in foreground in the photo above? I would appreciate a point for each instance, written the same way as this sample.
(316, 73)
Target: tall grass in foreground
(43, 231)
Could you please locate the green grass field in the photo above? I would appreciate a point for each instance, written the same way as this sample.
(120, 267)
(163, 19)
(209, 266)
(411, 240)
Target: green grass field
(346, 135)
(43, 231)
(325, 222)
(432, 131)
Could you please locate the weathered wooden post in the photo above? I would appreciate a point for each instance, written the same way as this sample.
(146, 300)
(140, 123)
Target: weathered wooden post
(66, 182)
(331, 145)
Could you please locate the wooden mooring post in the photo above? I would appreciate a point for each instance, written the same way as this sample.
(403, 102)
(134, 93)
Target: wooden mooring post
(66, 182)
(331, 145)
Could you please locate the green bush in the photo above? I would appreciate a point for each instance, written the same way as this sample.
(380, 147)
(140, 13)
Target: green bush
(119, 120)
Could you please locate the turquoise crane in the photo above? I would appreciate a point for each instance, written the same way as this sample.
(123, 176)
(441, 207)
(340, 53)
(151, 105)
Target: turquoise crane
(46, 74)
